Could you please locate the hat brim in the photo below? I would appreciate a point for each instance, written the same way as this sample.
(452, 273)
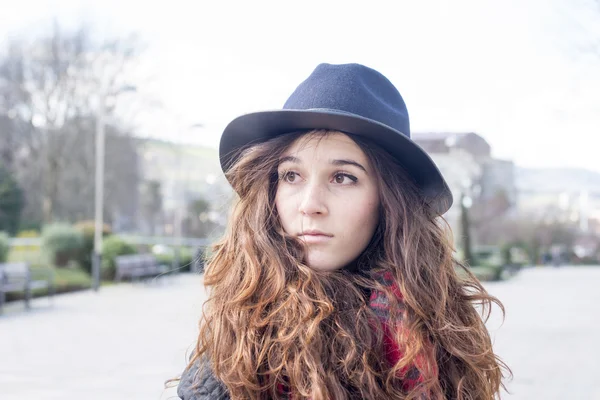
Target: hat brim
(258, 127)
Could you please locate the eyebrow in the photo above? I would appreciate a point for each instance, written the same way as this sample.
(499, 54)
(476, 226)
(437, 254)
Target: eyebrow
(296, 160)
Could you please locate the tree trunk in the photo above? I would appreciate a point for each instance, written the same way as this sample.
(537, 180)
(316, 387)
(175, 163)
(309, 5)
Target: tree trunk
(466, 232)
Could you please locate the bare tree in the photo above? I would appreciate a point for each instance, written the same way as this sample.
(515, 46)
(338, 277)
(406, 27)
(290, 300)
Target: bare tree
(197, 222)
(76, 187)
(152, 204)
(487, 214)
(50, 92)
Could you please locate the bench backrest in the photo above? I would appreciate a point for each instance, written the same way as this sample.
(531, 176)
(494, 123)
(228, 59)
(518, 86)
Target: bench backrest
(135, 261)
(14, 272)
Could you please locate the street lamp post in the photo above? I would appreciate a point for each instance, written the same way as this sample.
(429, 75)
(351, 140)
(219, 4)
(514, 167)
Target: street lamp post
(465, 204)
(99, 186)
(99, 196)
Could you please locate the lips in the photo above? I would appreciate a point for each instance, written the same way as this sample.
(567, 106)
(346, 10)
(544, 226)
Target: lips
(315, 237)
(315, 232)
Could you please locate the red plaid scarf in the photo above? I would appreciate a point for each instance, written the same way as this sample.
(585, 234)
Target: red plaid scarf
(412, 375)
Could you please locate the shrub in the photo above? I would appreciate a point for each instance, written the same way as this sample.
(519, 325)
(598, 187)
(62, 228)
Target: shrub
(112, 247)
(61, 243)
(87, 229)
(186, 258)
(518, 253)
(4, 247)
(12, 201)
(484, 273)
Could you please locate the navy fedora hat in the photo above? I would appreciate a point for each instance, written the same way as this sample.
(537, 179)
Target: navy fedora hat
(349, 98)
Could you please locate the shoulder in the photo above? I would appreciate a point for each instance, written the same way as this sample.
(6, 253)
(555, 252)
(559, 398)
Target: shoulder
(198, 382)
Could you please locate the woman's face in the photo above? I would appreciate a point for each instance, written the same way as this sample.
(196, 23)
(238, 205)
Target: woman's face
(327, 196)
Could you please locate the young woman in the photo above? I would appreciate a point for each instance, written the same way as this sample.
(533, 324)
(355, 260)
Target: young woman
(336, 278)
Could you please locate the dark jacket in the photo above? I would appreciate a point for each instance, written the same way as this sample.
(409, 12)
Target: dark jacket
(205, 386)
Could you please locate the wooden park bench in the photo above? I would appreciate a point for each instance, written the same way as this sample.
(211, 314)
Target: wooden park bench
(16, 278)
(138, 266)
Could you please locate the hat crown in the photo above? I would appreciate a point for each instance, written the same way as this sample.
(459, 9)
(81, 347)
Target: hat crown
(352, 88)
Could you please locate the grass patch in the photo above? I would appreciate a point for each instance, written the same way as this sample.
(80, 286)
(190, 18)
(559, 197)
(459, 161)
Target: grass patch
(65, 278)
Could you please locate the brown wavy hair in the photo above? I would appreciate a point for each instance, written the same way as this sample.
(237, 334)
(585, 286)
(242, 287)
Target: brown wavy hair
(271, 322)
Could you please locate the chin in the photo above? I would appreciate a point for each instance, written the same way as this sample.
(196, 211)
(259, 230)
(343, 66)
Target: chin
(323, 265)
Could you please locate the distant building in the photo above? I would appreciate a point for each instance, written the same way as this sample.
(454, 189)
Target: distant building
(561, 195)
(498, 177)
(465, 161)
(446, 142)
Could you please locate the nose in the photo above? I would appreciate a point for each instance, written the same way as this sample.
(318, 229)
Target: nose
(313, 200)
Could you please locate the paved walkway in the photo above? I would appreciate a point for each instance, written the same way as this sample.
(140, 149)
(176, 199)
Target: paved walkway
(120, 343)
(551, 335)
(125, 341)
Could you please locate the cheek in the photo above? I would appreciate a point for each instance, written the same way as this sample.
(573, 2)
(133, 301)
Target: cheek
(367, 225)
(283, 210)
(359, 226)
(366, 212)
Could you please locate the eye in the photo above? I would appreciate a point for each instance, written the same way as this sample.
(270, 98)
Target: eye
(342, 179)
(289, 176)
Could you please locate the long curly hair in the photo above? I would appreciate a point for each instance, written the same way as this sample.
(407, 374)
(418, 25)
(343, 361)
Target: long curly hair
(271, 322)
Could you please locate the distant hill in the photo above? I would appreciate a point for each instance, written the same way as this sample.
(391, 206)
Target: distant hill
(168, 155)
(191, 169)
(557, 179)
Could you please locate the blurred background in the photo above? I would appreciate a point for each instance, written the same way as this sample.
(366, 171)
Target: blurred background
(110, 117)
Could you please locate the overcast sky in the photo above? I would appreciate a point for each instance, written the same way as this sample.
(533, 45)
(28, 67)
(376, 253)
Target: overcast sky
(514, 71)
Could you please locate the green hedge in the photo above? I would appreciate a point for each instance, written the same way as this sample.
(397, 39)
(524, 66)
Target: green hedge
(484, 273)
(186, 258)
(87, 229)
(112, 247)
(61, 244)
(4, 247)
